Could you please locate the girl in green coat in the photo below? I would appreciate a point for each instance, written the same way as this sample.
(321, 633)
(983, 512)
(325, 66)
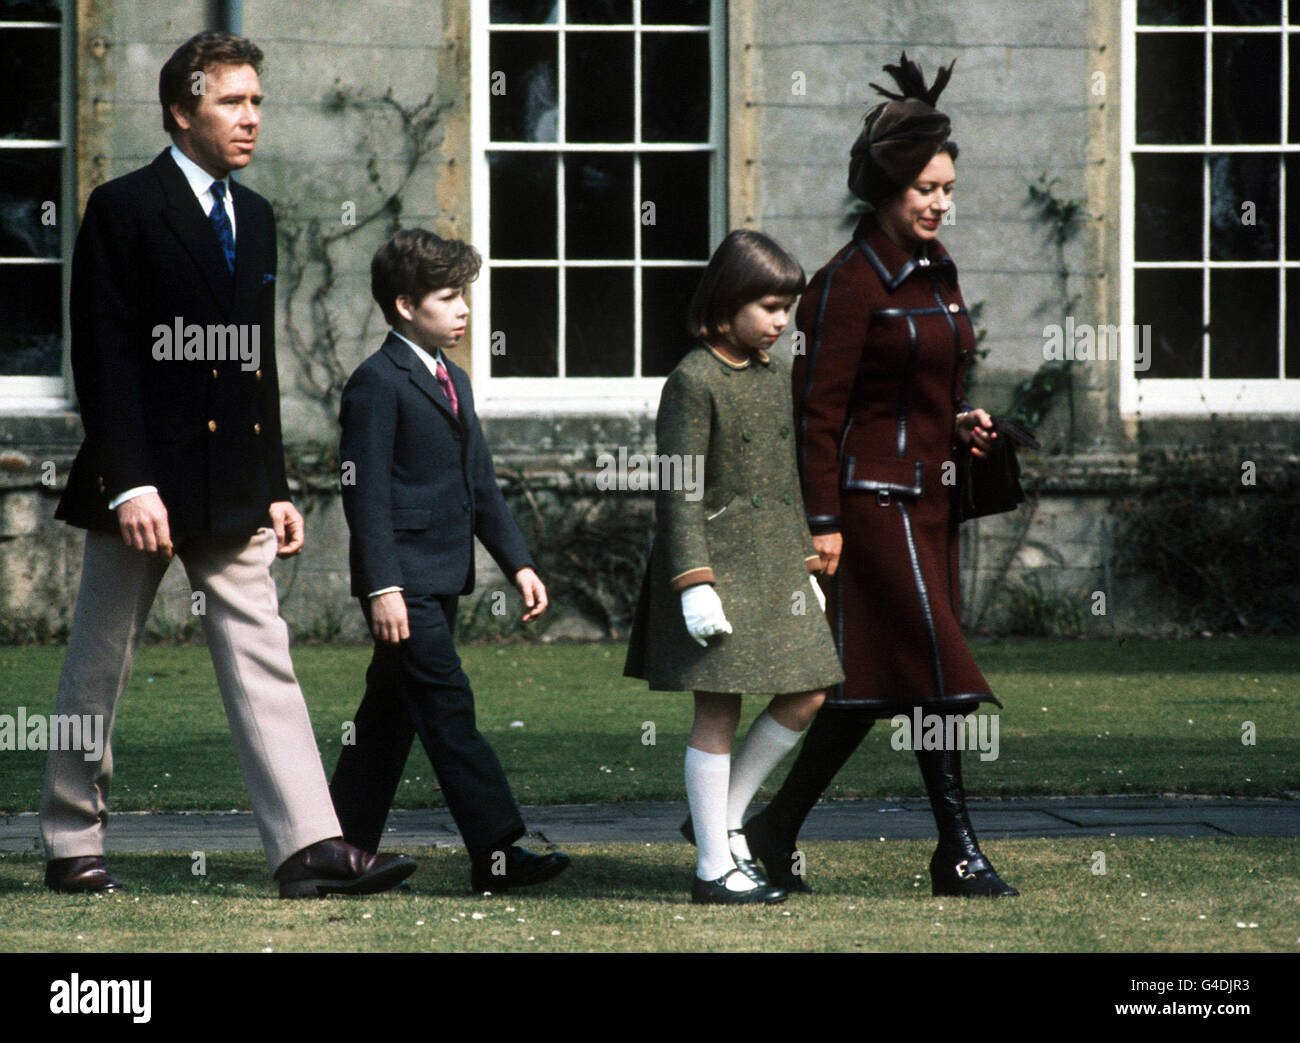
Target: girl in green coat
(729, 604)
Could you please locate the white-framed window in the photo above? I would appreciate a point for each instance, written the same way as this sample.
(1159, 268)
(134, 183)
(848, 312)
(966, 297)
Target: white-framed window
(599, 190)
(1210, 210)
(36, 199)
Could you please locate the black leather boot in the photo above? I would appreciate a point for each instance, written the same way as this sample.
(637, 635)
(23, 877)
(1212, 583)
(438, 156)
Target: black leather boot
(957, 867)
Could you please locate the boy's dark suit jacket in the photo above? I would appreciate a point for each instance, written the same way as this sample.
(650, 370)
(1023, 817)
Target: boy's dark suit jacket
(420, 485)
(205, 433)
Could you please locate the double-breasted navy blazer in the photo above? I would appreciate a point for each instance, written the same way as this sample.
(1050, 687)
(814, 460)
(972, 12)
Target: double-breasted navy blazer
(418, 482)
(205, 432)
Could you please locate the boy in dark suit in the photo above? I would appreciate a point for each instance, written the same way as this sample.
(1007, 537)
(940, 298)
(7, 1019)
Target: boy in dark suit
(418, 486)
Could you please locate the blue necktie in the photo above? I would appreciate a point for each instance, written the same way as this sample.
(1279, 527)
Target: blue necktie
(221, 223)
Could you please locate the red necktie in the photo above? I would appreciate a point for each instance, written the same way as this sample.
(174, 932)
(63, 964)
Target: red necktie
(444, 382)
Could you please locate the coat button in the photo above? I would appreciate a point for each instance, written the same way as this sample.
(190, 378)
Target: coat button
(924, 262)
(757, 501)
(214, 374)
(747, 435)
(212, 425)
(787, 499)
(257, 429)
(954, 307)
(257, 375)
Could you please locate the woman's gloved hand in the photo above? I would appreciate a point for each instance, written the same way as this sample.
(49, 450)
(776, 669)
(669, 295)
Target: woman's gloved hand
(702, 610)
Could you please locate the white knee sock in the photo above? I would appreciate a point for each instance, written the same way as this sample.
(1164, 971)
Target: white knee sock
(762, 750)
(706, 793)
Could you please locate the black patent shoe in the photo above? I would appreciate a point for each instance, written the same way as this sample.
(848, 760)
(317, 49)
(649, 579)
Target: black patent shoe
(747, 865)
(778, 862)
(716, 892)
(966, 876)
(516, 867)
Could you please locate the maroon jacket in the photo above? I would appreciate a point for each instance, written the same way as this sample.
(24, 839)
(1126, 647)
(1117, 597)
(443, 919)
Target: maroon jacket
(888, 341)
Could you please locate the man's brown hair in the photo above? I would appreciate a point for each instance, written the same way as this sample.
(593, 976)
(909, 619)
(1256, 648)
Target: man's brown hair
(745, 267)
(415, 263)
(198, 54)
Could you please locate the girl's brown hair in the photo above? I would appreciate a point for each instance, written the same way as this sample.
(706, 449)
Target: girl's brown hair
(746, 266)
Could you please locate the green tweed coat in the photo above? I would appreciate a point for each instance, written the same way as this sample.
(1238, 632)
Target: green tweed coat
(742, 529)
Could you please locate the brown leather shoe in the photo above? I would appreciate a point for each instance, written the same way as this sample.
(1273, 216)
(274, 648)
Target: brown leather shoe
(336, 867)
(84, 874)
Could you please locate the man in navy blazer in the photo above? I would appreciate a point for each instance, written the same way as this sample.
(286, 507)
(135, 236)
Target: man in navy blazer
(418, 487)
(173, 356)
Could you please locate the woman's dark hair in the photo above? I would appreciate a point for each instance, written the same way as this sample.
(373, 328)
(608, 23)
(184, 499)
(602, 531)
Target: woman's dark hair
(199, 54)
(415, 263)
(948, 147)
(746, 266)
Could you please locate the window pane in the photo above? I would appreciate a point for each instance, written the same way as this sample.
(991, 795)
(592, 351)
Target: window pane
(1293, 324)
(598, 70)
(29, 182)
(1247, 88)
(675, 12)
(1244, 207)
(29, 83)
(1247, 12)
(30, 11)
(1243, 322)
(1293, 208)
(600, 12)
(598, 213)
(674, 87)
(1170, 12)
(1170, 88)
(522, 90)
(31, 322)
(677, 184)
(523, 204)
(1169, 301)
(1293, 115)
(525, 311)
(1167, 191)
(598, 322)
(665, 297)
(524, 11)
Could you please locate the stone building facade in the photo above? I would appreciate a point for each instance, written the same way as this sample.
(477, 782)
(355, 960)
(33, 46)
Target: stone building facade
(596, 150)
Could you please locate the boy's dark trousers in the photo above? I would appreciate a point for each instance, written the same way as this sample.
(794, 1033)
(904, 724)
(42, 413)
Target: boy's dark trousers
(418, 687)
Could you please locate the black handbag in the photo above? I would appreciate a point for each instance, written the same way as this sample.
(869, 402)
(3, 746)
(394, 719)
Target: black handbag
(991, 484)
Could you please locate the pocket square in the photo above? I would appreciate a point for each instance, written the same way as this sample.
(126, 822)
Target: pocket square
(268, 277)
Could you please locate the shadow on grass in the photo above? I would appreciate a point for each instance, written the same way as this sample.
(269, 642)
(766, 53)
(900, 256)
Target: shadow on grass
(442, 874)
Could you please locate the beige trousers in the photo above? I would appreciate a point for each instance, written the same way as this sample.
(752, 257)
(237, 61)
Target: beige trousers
(249, 644)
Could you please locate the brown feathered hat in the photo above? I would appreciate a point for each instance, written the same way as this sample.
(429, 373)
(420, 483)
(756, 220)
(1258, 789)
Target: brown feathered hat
(900, 136)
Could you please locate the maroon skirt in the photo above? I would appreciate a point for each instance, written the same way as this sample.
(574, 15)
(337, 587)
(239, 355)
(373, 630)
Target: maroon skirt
(894, 608)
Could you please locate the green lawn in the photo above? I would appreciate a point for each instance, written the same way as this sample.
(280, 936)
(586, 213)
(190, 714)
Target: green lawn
(1162, 895)
(1117, 716)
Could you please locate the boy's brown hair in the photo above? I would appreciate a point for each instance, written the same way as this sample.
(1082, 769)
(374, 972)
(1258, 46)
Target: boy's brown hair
(199, 54)
(415, 263)
(746, 266)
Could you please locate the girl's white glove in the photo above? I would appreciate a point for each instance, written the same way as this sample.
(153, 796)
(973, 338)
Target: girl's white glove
(821, 598)
(702, 610)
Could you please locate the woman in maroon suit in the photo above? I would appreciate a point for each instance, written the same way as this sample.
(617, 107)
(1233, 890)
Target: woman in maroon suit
(879, 413)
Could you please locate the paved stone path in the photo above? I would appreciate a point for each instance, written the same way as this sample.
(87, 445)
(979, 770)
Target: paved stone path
(570, 824)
